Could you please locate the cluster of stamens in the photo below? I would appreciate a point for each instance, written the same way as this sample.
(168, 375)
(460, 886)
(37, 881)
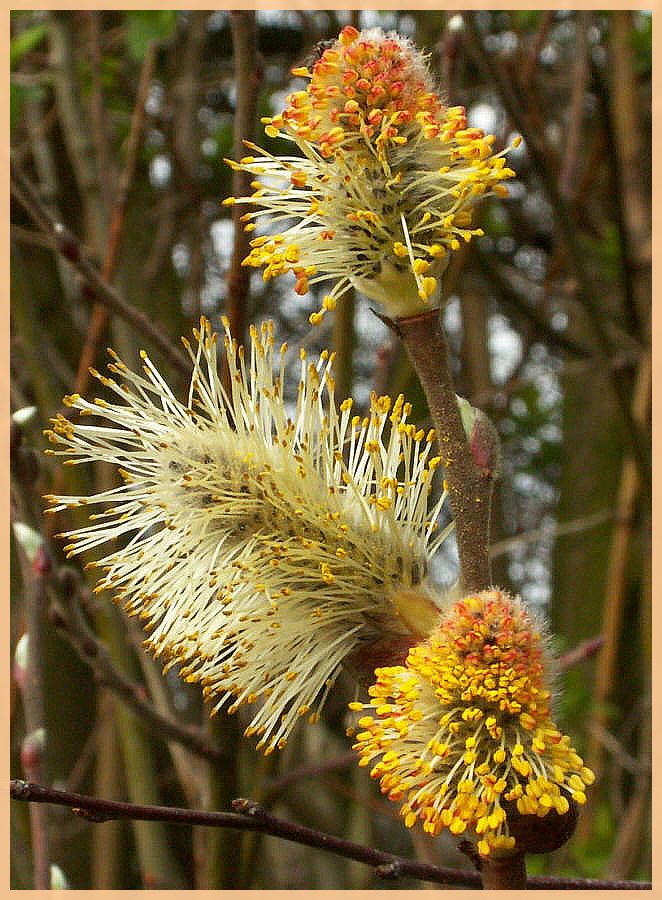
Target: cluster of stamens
(463, 734)
(260, 547)
(384, 183)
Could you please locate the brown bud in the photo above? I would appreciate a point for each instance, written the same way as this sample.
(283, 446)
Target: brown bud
(483, 438)
(534, 834)
(389, 651)
(67, 243)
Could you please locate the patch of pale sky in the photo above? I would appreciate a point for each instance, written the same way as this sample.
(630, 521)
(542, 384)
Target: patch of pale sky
(222, 232)
(505, 347)
(160, 170)
(278, 17)
(482, 115)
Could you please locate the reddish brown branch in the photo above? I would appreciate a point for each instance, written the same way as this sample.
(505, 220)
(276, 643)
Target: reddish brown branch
(97, 110)
(576, 109)
(581, 652)
(248, 76)
(34, 743)
(249, 816)
(515, 302)
(100, 311)
(531, 61)
(469, 489)
(301, 773)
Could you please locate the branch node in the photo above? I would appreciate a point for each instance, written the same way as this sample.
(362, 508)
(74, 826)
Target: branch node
(19, 790)
(469, 850)
(249, 808)
(67, 244)
(90, 815)
(390, 323)
(389, 871)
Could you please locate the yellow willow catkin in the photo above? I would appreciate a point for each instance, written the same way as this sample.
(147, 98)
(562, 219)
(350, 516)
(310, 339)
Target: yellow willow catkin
(462, 733)
(382, 183)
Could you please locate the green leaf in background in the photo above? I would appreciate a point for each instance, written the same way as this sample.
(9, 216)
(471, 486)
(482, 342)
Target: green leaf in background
(18, 94)
(526, 18)
(145, 26)
(24, 42)
(642, 43)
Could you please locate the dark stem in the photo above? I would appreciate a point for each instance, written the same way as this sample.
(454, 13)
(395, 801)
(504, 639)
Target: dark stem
(72, 625)
(33, 751)
(97, 108)
(571, 155)
(252, 817)
(248, 76)
(470, 493)
(528, 70)
(469, 490)
(506, 874)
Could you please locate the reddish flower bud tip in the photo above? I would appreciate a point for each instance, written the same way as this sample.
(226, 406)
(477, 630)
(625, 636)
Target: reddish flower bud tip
(462, 737)
(32, 750)
(485, 446)
(42, 564)
(483, 438)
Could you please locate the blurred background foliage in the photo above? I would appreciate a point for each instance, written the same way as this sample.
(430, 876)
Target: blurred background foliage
(122, 120)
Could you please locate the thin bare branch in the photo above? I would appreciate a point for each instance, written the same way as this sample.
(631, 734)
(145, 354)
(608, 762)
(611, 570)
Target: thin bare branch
(531, 61)
(186, 93)
(76, 130)
(616, 749)
(576, 108)
(71, 624)
(576, 526)
(29, 237)
(616, 581)
(581, 652)
(98, 114)
(566, 224)
(34, 748)
(96, 288)
(301, 773)
(30, 674)
(250, 816)
(100, 311)
(515, 303)
(248, 76)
